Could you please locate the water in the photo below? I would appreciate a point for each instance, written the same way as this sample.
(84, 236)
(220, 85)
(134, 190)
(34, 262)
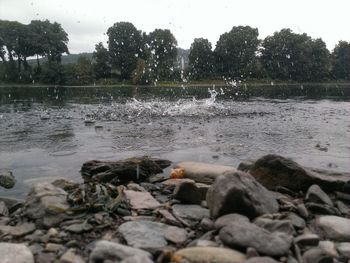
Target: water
(48, 133)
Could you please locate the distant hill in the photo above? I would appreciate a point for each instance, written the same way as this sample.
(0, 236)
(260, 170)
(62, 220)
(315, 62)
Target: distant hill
(182, 54)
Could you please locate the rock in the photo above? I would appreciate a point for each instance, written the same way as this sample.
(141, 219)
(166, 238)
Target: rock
(15, 253)
(7, 180)
(334, 228)
(19, 230)
(191, 192)
(316, 195)
(47, 204)
(135, 187)
(206, 224)
(240, 193)
(343, 209)
(175, 181)
(12, 204)
(202, 243)
(79, 228)
(273, 170)
(245, 166)
(329, 247)
(45, 257)
(137, 259)
(141, 200)
(3, 209)
(208, 255)
(123, 171)
(228, 219)
(304, 240)
(191, 214)
(344, 249)
(302, 210)
(284, 226)
(150, 235)
(296, 220)
(204, 172)
(317, 255)
(106, 250)
(322, 209)
(71, 257)
(244, 235)
(65, 184)
(52, 247)
(261, 260)
(169, 218)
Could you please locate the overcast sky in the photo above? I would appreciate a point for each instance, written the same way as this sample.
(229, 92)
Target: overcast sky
(86, 21)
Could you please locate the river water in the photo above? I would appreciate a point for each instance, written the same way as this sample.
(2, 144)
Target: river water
(49, 132)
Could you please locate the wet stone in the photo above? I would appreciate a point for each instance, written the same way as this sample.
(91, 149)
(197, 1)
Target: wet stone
(150, 235)
(7, 180)
(192, 214)
(191, 192)
(317, 195)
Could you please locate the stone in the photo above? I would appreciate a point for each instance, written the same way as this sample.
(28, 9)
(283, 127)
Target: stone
(47, 204)
(304, 240)
(191, 214)
(65, 184)
(175, 181)
(52, 247)
(245, 234)
(329, 247)
(334, 228)
(317, 195)
(168, 217)
(261, 260)
(296, 220)
(202, 243)
(7, 180)
(137, 259)
(321, 209)
(141, 200)
(204, 172)
(284, 226)
(3, 209)
(191, 192)
(206, 224)
(106, 250)
(15, 253)
(228, 219)
(274, 170)
(19, 230)
(344, 249)
(70, 256)
(240, 193)
(208, 255)
(150, 235)
(317, 255)
(12, 204)
(79, 228)
(302, 210)
(123, 171)
(343, 209)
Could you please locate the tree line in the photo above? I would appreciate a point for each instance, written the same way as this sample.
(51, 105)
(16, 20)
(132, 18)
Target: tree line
(140, 58)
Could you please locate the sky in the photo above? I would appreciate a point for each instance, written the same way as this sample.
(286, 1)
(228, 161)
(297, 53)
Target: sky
(86, 21)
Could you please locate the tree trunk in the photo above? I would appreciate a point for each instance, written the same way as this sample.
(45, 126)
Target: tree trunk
(37, 61)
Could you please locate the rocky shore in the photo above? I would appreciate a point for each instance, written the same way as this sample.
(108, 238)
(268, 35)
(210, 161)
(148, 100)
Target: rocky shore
(130, 211)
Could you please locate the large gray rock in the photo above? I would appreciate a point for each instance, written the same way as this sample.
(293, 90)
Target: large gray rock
(239, 192)
(7, 180)
(190, 192)
(204, 172)
(150, 235)
(273, 170)
(46, 204)
(284, 226)
(334, 228)
(244, 235)
(106, 250)
(191, 214)
(228, 219)
(15, 253)
(19, 230)
(344, 249)
(209, 255)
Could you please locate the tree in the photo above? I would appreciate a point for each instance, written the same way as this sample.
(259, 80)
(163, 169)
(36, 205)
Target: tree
(84, 71)
(102, 68)
(290, 56)
(125, 46)
(201, 59)
(52, 73)
(235, 51)
(162, 45)
(341, 61)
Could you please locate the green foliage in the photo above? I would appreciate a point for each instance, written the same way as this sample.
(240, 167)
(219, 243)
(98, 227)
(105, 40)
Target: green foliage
(84, 71)
(341, 61)
(161, 45)
(235, 51)
(290, 56)
(201, 59)
(102, 68)
(125, 46)
(141, 74)
(52, 73)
